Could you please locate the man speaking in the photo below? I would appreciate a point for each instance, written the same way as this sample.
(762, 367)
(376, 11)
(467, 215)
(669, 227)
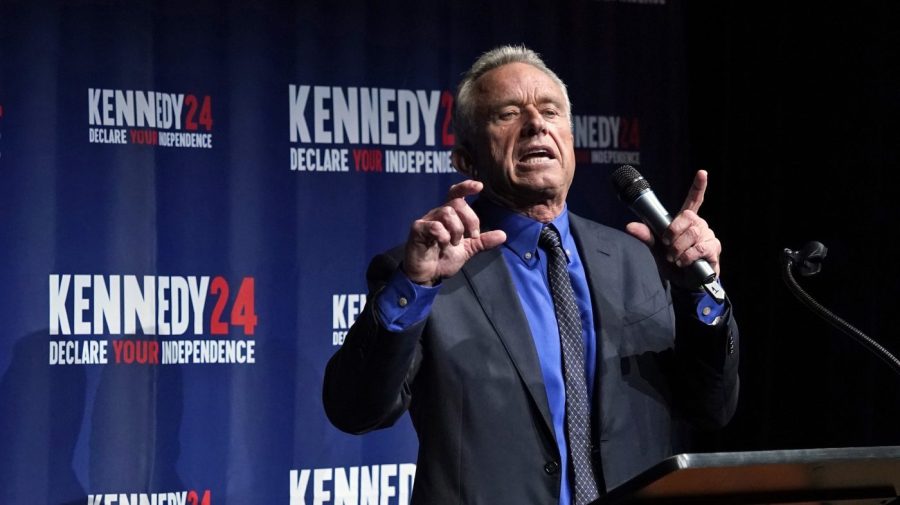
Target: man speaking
(535, 350)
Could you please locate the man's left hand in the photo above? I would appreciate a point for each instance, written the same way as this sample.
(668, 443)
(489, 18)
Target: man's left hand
(687, 239)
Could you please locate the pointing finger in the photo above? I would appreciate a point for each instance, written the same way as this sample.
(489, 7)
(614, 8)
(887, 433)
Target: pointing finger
(463, 189)
(695, 194)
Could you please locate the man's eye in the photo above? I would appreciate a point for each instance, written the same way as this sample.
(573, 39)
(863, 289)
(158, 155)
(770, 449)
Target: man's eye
(507, 115)
(550, 113)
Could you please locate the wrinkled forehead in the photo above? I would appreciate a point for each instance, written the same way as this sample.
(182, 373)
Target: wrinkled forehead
(515, 83)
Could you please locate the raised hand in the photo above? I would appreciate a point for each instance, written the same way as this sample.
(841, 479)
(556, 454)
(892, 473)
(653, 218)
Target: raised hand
(688, 238)
(445, 238)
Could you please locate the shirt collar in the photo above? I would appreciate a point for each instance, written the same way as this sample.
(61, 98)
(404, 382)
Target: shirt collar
(522, 233)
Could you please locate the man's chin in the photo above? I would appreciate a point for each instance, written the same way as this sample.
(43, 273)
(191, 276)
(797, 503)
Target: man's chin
(528, 195)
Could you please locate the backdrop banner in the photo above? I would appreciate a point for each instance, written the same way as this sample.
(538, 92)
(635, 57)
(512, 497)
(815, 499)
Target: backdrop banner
(192, 192)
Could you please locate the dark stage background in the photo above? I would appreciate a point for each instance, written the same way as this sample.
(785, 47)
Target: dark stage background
(797, 106)
(792, 108)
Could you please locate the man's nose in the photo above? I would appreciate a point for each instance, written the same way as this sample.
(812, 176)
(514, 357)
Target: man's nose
(534, 122)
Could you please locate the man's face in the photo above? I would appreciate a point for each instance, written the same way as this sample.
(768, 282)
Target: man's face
(524, 152)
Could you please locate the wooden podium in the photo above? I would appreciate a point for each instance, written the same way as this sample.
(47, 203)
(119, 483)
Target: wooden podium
(857, 476)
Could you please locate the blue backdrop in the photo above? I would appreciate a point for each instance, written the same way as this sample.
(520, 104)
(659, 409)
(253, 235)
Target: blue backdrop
(187, 183)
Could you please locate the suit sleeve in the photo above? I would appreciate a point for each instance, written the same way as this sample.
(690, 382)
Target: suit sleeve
(367, 382)
(707, 358)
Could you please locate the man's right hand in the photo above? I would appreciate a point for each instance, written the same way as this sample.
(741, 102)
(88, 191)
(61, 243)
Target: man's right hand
(445, 238)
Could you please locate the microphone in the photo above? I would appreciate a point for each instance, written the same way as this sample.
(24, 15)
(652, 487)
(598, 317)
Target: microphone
(635, 192)
(808, 261)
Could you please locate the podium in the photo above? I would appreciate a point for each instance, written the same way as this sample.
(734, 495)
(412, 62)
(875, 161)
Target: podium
(849, 476)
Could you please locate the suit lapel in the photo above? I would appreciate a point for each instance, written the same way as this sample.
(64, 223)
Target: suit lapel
(603, 270)
(493, 287)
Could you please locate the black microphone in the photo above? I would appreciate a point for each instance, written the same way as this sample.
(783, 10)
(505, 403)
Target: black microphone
(635, 191)
(808, 261)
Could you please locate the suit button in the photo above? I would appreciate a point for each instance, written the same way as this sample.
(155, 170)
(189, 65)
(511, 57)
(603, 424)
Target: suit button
(551, 467)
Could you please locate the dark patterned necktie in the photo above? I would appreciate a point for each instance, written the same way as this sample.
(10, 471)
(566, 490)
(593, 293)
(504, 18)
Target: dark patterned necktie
(578, 419)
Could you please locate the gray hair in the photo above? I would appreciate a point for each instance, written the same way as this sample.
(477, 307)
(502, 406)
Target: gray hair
(464, 121)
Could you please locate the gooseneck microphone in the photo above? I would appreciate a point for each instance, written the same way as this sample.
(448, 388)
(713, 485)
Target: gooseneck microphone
(635, 192)
(808, 261)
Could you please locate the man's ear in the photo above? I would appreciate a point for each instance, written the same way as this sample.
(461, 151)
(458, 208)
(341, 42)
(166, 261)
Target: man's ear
(463, 162)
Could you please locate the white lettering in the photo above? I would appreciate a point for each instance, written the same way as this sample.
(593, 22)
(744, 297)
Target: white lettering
(387, 490)
(299, 482)
(180, 352)
(345, 115)
(78, 352)
(362, 115)
(81, 304)
(198, 300)
(177, 498)
(346, 489)
(408, 109)
(429, 113)
(368, 485)
(320, 494)
(177, 105)
(162, 305)
(597, 132)
(387, 117)
(355, 485)
(338, 302)
(369, 116)
(106, 304)
(59, 318)
(297, 108)
(180, 301)
(108, 107)
(146, 110)
(321, 114)
(124, 107)
(407, 477)
(140, 304)
(94, 107)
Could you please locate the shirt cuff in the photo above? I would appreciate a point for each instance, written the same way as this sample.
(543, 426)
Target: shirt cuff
(403, 303)
(708, 311)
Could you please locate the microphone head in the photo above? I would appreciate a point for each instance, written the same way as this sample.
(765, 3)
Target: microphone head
(629, 183)
(808, 260)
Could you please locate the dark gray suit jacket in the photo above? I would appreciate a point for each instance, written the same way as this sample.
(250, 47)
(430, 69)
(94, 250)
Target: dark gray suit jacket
(470, 376)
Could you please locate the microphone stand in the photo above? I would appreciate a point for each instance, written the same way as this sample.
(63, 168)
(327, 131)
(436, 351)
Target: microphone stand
(808, 261)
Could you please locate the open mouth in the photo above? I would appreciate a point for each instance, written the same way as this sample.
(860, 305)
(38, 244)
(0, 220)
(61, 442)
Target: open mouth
(536, 155)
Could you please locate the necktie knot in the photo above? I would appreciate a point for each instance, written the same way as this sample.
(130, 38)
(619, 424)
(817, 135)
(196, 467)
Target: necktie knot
(549, 238)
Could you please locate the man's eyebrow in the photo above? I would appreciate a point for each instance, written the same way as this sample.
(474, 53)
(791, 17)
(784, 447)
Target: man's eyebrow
(508, 102)
(541, 100)
(548, 98)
